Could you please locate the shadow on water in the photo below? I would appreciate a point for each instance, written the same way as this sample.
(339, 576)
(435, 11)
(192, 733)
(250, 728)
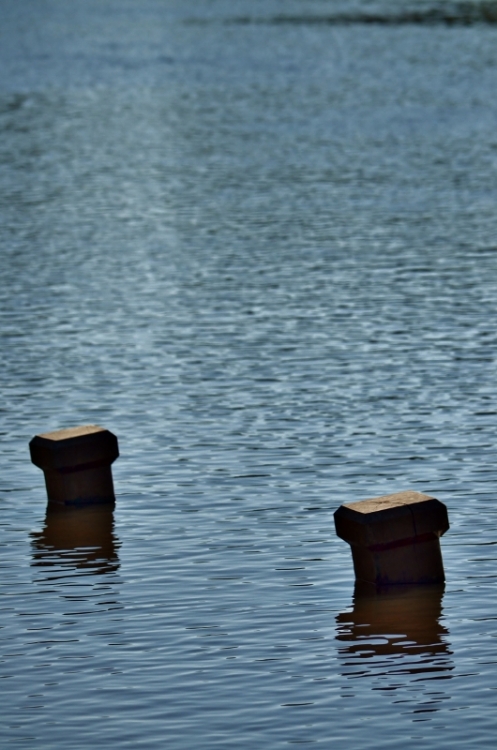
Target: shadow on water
(392, 632)
(77, 538)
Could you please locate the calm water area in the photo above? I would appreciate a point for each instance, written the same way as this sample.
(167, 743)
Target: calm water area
(257, 240)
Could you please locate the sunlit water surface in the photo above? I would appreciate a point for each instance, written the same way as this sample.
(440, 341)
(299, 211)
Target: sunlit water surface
(257, 241)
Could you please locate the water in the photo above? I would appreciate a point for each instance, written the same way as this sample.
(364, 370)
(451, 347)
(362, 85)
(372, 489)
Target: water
(257, 241)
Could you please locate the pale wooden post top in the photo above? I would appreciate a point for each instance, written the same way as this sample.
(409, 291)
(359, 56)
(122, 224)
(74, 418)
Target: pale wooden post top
(389, 518)
(74, 448)
(386, 502)
(72, 432)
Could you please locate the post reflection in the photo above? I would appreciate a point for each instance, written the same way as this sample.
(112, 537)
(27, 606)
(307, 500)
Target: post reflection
(394, 631)
(77, 538)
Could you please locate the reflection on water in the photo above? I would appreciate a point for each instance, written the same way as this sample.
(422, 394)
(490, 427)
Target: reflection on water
(75, 538)
(394, 631)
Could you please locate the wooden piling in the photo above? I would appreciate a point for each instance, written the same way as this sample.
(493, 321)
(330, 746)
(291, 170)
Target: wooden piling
(76, 463)
(395, 538)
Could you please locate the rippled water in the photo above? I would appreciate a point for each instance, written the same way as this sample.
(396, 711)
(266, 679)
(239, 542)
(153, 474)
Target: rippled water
(257, 241)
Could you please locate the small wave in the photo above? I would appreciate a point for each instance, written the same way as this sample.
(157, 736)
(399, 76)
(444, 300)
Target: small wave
(453, 14)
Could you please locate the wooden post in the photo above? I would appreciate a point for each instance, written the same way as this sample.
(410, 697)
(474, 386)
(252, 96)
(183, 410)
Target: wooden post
(395, 538)
(77, 464)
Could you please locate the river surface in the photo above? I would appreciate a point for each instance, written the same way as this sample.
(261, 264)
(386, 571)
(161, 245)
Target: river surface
(258, 242)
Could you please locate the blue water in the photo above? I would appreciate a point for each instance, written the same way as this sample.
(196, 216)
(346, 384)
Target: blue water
(257, 241)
